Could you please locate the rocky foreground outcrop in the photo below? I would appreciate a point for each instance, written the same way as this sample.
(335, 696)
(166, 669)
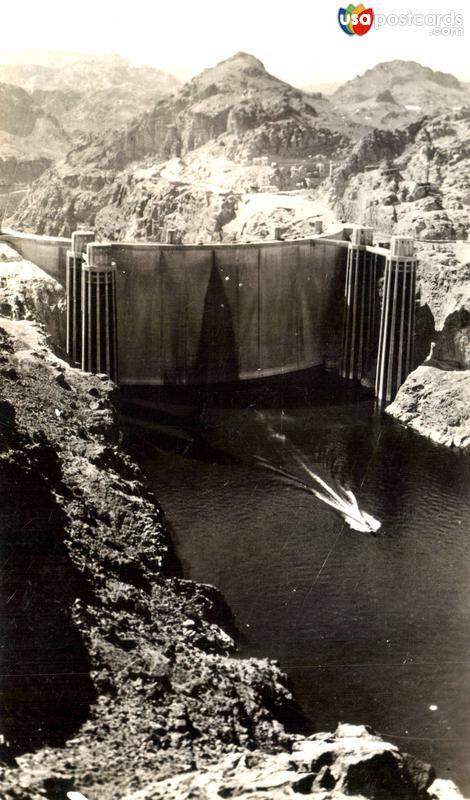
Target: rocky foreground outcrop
(114, 673)
(351, 762)
(119, 678)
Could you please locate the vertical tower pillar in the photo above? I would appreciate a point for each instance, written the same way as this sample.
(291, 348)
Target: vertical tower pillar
(99, 329)
(73, 346)
(395, 357)
(360, 303)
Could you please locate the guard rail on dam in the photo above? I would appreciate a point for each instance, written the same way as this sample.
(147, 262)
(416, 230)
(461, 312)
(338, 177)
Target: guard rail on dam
(192, 314)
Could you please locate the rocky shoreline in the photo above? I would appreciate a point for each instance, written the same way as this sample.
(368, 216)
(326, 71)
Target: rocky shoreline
(121, 678)
(435, 403)
(133, 673)
(435, 398)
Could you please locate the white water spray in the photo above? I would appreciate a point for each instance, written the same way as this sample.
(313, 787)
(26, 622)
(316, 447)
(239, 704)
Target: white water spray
(343, 500)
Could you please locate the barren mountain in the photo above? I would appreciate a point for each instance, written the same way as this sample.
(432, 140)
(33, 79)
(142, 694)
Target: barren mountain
(394, 93)
(234, 129)
(215, 160)
(25, 129)
(254, 112)
(91, 93)
(30, 140)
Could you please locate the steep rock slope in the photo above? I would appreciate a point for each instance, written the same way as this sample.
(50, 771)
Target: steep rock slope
(413, 181)
(131, 669)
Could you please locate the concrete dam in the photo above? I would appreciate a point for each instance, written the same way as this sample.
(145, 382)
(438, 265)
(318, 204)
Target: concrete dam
(155, 314)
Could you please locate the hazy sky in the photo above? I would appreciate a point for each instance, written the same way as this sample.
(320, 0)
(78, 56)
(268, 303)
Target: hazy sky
(298, 40)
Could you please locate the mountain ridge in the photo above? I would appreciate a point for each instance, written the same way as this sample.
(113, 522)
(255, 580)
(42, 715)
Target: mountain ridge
(93, 92)
(403, 79)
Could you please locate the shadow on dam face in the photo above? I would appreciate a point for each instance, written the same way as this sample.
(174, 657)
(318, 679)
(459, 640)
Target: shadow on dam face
(217, 355)
(45, 684)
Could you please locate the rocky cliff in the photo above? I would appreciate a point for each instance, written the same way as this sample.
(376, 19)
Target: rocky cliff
(435, 398)
(412, 181)
(132, 670)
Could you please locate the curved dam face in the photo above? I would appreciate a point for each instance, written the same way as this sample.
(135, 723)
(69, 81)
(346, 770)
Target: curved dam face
(193, 314)
(209, 314)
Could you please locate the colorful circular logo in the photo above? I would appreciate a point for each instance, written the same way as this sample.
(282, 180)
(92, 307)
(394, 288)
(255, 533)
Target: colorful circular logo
(355, 19)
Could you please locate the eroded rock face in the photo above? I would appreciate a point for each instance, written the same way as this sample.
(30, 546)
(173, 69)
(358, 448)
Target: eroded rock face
(26, 292)
(19, 113)
(90, 93)
(133, 672)
(436, 403)
(412, 181)
(351, 762)
(25, 129)
(236, 97)
(22, 170)
(435, 398)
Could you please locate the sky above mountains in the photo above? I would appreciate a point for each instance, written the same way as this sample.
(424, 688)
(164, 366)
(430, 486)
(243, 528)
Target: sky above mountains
(300, 41)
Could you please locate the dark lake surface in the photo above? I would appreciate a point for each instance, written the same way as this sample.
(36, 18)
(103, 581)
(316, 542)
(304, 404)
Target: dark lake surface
(370, 629)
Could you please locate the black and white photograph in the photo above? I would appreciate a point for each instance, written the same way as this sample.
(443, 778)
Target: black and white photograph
(234, 400)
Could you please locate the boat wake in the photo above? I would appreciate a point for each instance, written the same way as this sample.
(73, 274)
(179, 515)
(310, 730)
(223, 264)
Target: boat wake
(343, 500)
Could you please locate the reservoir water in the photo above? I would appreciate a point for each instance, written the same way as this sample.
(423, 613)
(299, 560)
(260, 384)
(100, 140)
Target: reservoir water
(370, 629)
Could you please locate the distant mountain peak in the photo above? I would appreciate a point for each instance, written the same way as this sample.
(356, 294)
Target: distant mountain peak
(388, 72)
(245, 60)
(406, 83)
(240, 66)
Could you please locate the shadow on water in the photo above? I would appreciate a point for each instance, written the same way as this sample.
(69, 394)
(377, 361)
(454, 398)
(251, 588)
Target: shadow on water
(177, 414)
(45, 686)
